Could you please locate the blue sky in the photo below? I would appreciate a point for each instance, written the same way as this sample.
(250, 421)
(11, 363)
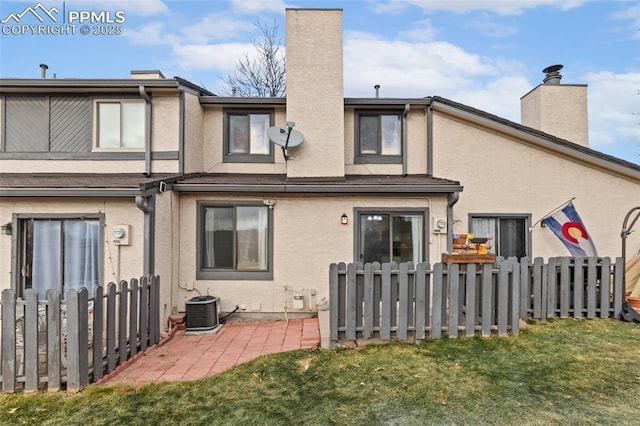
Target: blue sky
(485, 54)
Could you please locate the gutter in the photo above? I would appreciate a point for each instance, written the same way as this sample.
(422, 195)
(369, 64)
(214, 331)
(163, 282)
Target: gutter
(147, 136)
(147, 206)
(319, 188)
(430, 140)
(405, 154)
(451, 200)
(69, 192)
(181, 131)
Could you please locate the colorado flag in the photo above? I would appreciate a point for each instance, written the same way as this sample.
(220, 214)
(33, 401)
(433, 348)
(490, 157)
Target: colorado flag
(568, 226)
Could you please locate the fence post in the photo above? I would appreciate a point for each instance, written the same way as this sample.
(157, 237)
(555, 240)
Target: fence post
(133, 317)
(438, 297)
(145, 298)
(77, 350)
(618, 287)
(470, 300)
(454, 301)
(515, 306)
(30, 338)
(111, 327)
(123, 309)
(385, 326)
(333, 304)
(54, 338)
(350, 332)
(605, 290)
(592, 274)
(368, 318)
(421, 301)
(98, 345)
(564, 287)
(9, 340)
(154, 309)
(403, 299)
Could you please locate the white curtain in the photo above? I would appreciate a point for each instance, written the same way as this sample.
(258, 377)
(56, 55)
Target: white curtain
(263, 228)
(484, 227)
(68, 249)
(46, 262)
(81, 255)
(417, 238)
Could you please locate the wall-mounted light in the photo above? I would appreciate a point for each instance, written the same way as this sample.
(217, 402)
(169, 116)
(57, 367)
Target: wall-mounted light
(6, 229)
(344, 219)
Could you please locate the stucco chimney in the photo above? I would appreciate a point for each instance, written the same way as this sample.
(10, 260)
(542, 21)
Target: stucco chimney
(557, 109)
(315, 93)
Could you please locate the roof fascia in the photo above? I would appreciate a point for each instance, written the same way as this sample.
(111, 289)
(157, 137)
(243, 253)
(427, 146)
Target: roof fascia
(319, 188)
(221, 100)
(10, 85)
(72, 192)
(377, 102)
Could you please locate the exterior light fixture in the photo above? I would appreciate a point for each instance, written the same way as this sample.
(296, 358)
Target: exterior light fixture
(344, 219)
(6, 229)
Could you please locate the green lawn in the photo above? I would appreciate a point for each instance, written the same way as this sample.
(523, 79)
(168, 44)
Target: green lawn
(560, 372)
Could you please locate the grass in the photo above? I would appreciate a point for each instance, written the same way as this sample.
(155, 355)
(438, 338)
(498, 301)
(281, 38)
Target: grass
(583, 372)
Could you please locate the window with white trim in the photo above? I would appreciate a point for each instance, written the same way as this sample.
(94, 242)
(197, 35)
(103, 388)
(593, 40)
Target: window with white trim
(120, 124)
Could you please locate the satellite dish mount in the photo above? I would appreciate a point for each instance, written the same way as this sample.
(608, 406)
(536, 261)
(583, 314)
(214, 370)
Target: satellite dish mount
(285, 137)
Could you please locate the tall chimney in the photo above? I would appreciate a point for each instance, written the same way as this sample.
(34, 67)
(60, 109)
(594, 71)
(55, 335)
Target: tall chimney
(315, 93)
(557, 109)
(43, 70)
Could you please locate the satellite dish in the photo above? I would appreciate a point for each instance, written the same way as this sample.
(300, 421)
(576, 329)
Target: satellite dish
(285, 137)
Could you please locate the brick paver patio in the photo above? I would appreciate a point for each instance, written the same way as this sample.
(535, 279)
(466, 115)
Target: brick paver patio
(188, 356)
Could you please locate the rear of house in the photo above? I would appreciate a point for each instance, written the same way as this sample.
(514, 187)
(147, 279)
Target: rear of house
(118, 178)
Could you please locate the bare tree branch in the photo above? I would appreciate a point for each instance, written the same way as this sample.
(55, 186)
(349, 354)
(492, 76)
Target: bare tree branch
(263, 75)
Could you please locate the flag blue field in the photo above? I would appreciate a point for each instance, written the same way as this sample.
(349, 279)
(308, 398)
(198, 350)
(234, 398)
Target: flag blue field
(568, 226)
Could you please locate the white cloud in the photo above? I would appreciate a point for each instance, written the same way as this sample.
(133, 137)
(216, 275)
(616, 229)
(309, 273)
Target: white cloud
(405, 69)
(423, 30)
(255, 6)
(215, 26)
(632, 14)
(219, 57)
(499, 7)
(614, 123)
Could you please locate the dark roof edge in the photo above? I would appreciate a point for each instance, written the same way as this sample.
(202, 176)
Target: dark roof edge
(320, 188)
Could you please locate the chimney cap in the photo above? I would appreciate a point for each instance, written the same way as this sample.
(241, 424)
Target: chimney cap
(552, 68)
(552, 74)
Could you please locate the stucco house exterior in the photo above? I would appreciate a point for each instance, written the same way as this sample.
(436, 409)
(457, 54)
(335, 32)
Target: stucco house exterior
(103, 180)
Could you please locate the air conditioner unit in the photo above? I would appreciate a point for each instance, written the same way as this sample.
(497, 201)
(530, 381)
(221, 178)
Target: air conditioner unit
(202, 313)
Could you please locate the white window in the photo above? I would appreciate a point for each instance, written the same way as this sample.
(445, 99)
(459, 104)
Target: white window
(120, 124)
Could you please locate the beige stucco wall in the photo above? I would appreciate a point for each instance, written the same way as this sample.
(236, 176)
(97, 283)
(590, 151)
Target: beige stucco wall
(193, 134)
(315, 94)
(308, 237)
(501, 175)
(165, 122)
(416, 146)
(557, 109)
(214, 146)
(123, 262)
(87, 166)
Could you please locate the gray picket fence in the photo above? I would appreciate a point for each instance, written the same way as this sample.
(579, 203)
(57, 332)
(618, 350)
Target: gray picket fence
(416, 302)
(67, 343)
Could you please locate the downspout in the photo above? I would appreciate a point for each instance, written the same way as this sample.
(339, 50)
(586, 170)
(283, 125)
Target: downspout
(147, 205)
(407, 107)
(147, 128)
(452, 198)
(430, 139)
(181, 125)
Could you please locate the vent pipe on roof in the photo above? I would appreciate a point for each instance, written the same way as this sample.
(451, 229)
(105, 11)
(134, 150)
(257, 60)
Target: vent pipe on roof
(43, 70)
(552, 74)
(377, 87)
